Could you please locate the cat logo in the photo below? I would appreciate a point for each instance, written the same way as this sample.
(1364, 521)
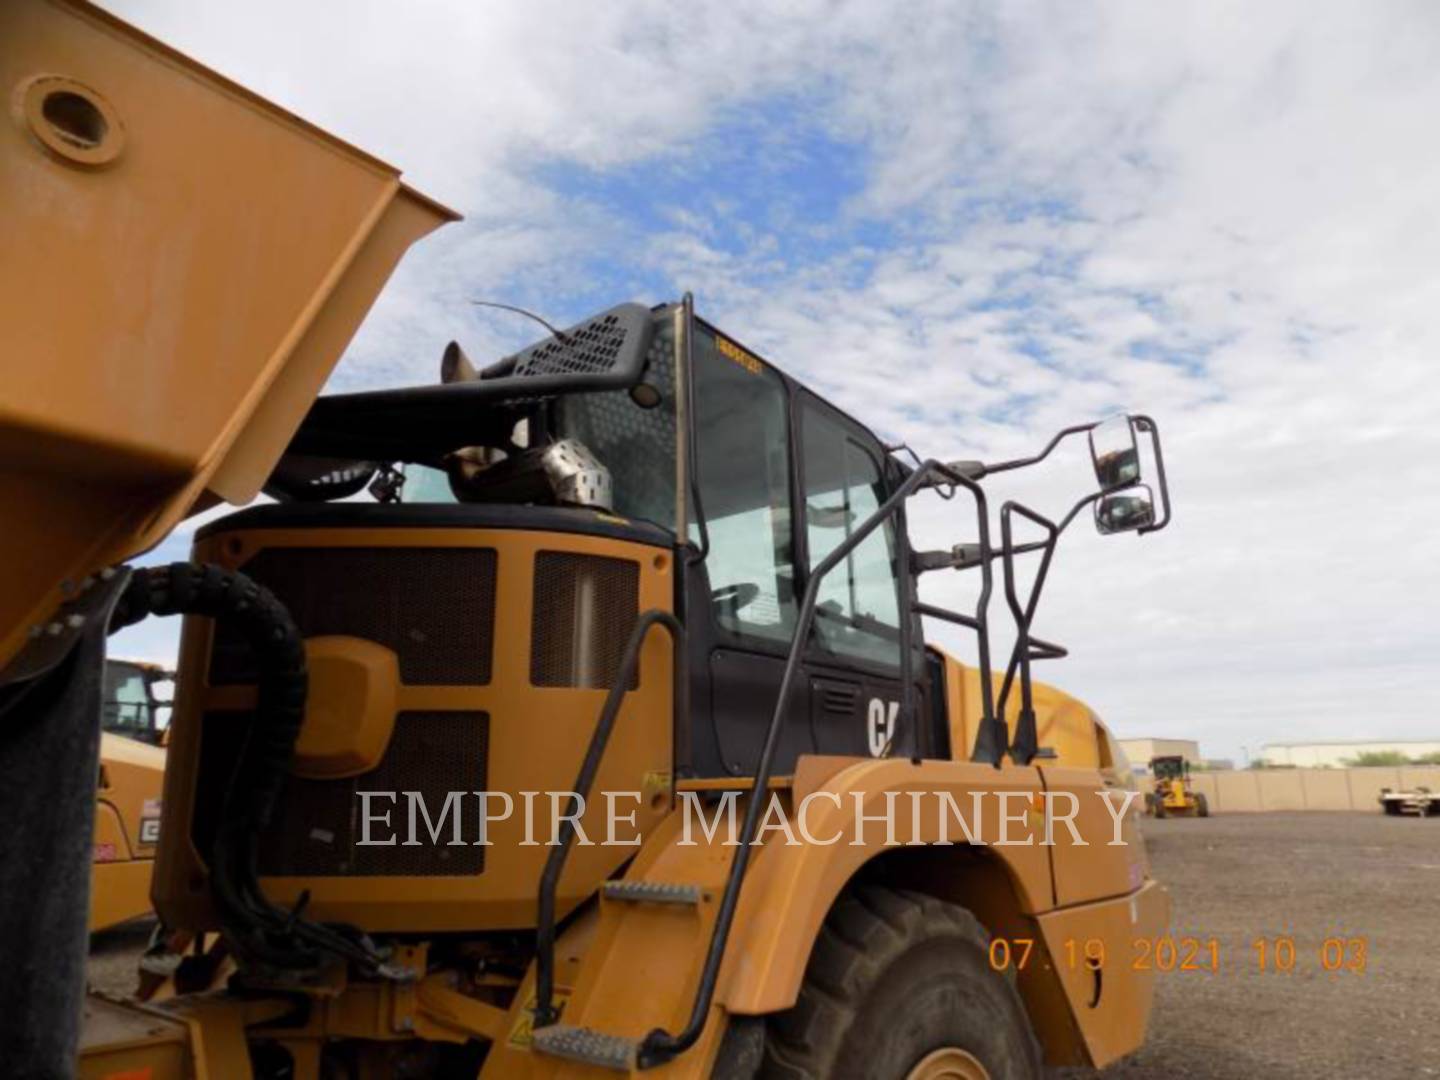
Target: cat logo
(880, 720)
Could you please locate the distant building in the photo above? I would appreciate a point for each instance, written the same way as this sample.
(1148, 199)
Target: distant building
(1338, 752)
(1140, 751)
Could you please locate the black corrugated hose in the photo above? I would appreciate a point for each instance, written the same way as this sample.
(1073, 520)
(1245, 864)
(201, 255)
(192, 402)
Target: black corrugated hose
(259, 931)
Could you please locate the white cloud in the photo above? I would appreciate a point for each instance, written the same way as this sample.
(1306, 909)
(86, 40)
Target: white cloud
(1247, 188)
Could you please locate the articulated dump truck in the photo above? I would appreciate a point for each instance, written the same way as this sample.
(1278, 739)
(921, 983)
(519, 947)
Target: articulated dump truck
(572, 715)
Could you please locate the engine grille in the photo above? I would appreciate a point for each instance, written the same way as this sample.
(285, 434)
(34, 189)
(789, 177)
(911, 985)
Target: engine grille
(585, 608)
(316, 828)
(434, 607)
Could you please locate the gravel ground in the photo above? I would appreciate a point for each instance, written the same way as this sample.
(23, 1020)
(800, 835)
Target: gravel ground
(1309, 876)
(1235, 878)
(114, 954)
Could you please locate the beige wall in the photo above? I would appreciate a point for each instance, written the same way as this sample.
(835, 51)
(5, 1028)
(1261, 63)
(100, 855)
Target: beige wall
(1255, 790)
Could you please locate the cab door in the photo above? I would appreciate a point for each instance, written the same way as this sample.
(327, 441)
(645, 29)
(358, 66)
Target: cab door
(852, 659)
(740, 580)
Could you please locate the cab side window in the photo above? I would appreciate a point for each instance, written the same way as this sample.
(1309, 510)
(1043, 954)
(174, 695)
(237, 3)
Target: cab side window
(127, 705)
(857, 613)
(744, 474)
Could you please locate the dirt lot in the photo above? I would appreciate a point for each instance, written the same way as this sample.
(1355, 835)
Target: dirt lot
(114, 954)
(1239, 877)
(1308, 876)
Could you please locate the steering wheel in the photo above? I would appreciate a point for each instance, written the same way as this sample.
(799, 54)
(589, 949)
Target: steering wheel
(736, 596)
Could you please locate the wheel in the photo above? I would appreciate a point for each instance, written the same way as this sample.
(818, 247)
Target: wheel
(900, 987)
(1149, 805)
(1202, 806)
(1159, 807)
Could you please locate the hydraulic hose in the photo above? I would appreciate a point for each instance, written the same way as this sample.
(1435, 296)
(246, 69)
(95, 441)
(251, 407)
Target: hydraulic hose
(209, 590)
(259, 931)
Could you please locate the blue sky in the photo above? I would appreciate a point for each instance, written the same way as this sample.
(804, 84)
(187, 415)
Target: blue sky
(972, 224)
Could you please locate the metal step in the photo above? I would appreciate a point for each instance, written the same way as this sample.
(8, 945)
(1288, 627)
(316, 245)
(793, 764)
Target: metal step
(586, 1046)
(652, 892)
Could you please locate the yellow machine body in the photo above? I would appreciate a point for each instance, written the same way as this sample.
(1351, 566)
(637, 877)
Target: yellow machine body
(627, 968)
(222, 253)
(181, 273)
(522, 737)
(127, 830)
(1176, 796)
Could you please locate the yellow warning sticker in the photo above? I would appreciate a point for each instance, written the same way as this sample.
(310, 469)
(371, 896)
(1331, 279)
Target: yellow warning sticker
(729, 349)
(522, 1034)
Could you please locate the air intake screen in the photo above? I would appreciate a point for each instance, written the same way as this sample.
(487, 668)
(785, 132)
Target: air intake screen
(317, 827)
(434, 607)
(585, 609)
(594, 346)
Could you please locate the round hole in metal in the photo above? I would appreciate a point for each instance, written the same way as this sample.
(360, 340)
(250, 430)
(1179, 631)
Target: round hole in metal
(75, 119)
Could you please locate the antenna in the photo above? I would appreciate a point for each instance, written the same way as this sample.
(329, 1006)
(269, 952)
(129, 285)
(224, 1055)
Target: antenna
(521, 311)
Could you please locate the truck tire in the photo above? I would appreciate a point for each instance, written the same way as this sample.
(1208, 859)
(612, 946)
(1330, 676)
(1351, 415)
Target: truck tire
(1159, 807)
(1202, 806)
(900, 987)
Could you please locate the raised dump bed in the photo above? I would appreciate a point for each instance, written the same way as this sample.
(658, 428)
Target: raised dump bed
(183, 265)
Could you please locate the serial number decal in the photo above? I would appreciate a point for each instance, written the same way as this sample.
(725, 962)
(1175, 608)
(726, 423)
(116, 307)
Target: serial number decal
(1267, 955)
(734, 352)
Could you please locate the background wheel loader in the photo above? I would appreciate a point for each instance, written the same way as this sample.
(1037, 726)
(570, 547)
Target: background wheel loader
(1171, 794)
(128, 801)
(634, 559)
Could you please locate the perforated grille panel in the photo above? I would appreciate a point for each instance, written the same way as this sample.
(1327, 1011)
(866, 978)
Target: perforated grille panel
(318, 824)
(585, 608)
(434, 607)
(592, 347)
(637, 445)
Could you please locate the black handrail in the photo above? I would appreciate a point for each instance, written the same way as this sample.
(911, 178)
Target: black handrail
(660, 1045)
(1026, 740)
(544, 1011)
(1026, 744)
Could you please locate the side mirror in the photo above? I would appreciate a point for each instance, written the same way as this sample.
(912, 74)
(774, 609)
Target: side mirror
(1115, 453)
(1125, 511)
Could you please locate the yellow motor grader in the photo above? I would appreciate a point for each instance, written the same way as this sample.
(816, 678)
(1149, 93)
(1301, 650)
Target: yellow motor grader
(605, 739)
(1172, 794)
